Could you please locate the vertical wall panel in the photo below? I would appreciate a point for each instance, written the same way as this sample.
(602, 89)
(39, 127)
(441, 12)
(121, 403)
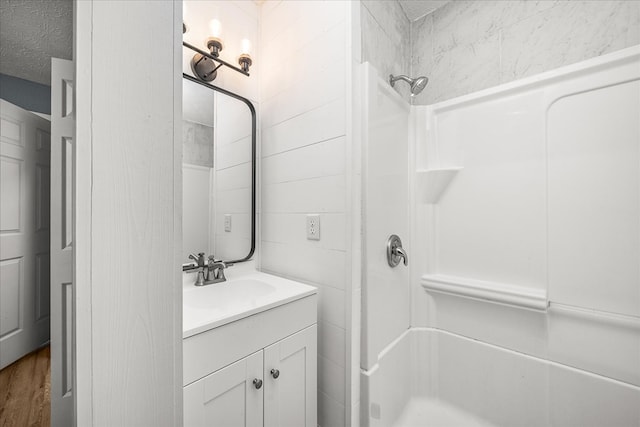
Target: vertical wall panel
(136, 294)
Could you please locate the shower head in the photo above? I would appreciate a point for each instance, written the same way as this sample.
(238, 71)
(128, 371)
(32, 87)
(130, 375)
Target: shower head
(417, 84)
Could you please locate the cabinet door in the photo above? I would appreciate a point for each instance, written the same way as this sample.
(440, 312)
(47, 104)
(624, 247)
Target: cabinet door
(290, 393)
(227, 397)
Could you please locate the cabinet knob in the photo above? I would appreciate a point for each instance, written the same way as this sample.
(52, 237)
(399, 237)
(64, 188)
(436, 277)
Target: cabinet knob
(257, 383)
(275, 373)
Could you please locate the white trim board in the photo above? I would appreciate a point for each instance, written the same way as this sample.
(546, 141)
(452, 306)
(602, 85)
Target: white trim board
(518, 296)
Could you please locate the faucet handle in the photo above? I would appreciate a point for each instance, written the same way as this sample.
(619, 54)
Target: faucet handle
(200, 281)
(395, 252)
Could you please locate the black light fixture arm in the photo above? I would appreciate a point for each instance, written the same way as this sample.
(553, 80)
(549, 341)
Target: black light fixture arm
(214, 58)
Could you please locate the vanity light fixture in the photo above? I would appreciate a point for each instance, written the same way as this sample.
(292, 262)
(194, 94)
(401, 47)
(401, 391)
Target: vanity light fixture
(204, 65)
(245, 58)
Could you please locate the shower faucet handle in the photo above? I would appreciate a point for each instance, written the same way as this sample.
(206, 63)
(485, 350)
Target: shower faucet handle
(395, 251)
(399, 252)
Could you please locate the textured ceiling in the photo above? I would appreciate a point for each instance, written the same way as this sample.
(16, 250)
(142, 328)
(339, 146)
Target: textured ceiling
(415, 9)
(31, 32)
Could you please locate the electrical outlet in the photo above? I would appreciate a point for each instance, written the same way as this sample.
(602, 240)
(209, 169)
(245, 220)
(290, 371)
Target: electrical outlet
(227, 222)
(313, 227)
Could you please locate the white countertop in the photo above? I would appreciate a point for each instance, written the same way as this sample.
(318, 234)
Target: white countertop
(245, 293)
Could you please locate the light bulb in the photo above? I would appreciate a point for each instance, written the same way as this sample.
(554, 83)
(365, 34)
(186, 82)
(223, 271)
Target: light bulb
(246, 47)
(216, 27)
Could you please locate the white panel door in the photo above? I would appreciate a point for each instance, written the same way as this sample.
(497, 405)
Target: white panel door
(290, 372)
(228, 397)
(24, 232)
(62, 167)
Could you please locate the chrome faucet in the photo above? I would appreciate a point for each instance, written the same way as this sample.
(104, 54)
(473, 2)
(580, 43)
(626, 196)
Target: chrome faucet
(211, 272)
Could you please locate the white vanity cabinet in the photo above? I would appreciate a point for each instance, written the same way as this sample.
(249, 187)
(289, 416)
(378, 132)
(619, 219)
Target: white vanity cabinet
(258, 370)
(274, 387)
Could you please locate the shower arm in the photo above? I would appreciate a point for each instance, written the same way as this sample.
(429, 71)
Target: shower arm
(393, 79)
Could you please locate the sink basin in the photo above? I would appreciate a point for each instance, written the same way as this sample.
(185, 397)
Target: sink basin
(210, 306)
(225, 295)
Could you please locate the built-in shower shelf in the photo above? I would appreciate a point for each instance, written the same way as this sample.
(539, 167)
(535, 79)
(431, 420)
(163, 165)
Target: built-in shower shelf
(433, 182)
(501, 293)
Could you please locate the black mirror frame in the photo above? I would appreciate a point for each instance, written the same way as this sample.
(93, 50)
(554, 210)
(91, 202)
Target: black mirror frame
(253, 160)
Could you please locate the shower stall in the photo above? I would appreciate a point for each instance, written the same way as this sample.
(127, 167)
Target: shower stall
(520, 304)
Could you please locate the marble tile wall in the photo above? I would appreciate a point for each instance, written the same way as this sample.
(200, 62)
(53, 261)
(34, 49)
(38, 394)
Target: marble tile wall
(386, 39)
(466, 46)
(197, 144)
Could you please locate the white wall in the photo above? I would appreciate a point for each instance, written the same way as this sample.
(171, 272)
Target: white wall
(306, 169)
(466, 46)
(128, 223)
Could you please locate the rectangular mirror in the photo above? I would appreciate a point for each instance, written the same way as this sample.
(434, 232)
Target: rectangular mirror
(218, 173)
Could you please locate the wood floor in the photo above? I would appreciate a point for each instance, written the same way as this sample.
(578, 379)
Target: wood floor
(25, 391)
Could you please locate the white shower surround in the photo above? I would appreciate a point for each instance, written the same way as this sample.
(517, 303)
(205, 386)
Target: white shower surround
(536, 343)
